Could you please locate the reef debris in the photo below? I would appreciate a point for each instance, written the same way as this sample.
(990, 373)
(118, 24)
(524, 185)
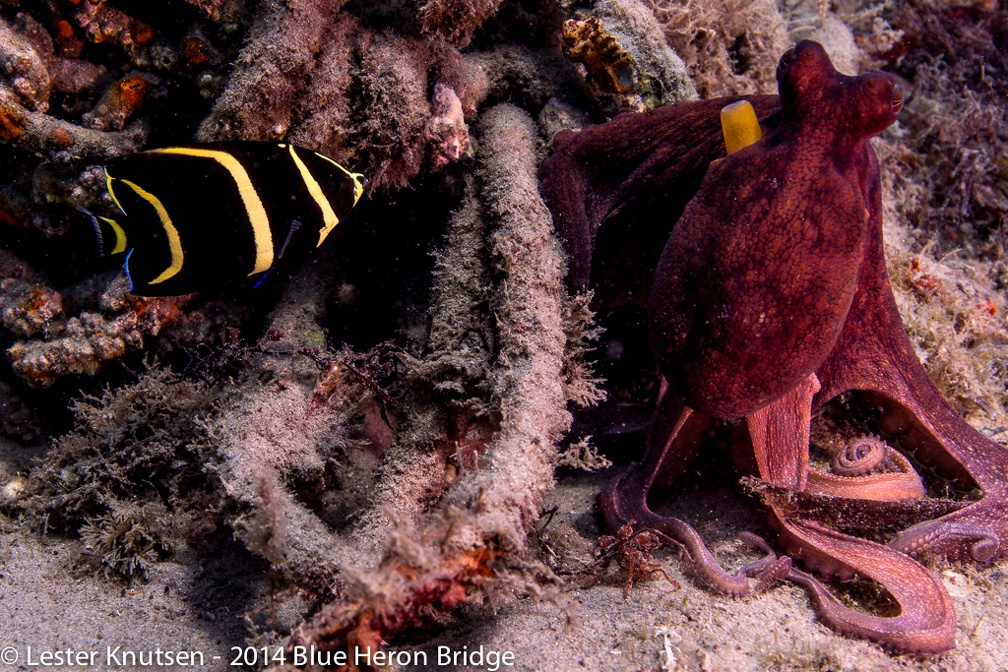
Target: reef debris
(350, 91)
(498, 453)
(33, 72)
(81, 343)
(259, 100)
(455, 20)
(423, 464)
(730, 45)
(274, 457)
(28, 307)
(627, 62)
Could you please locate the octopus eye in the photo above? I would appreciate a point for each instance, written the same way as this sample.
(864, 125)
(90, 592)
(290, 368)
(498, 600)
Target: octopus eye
(897, 99)
(785, 61)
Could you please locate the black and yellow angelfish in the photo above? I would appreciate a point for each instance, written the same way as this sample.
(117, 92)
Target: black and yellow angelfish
(196, 216)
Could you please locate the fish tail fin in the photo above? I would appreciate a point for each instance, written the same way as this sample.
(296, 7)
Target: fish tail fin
(109, 234)
(98, 237)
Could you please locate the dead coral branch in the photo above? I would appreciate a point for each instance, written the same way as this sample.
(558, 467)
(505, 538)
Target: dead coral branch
(267, 442)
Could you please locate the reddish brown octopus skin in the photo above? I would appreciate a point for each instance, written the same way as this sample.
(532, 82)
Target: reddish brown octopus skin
(763, 263)
(807, 253)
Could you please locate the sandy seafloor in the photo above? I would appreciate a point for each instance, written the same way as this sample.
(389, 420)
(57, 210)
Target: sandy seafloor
(200, 607)
(199, 604)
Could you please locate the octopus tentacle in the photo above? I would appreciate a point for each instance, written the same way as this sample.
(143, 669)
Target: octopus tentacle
(927, 621)
(967, 538)
(852, 475)
(768, 570)
(860, 456)
(780, 434)
(624, 499)
(620, 503)
(874, 356)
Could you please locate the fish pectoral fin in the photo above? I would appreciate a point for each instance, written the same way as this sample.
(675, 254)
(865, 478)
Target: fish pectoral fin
(295, 225)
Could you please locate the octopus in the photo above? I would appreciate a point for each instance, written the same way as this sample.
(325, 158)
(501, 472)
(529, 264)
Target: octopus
(764, 279)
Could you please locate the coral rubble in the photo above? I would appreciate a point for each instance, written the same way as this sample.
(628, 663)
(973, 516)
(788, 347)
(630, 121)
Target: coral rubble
(33, 72)
(83, 343)
(455, 20)
(510, 402)
(390, 480)
(270, 73)
(627, 61)
(730, 45)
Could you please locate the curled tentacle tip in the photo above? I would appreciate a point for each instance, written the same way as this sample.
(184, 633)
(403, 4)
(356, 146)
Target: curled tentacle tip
(860, 456)
(985, 549)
